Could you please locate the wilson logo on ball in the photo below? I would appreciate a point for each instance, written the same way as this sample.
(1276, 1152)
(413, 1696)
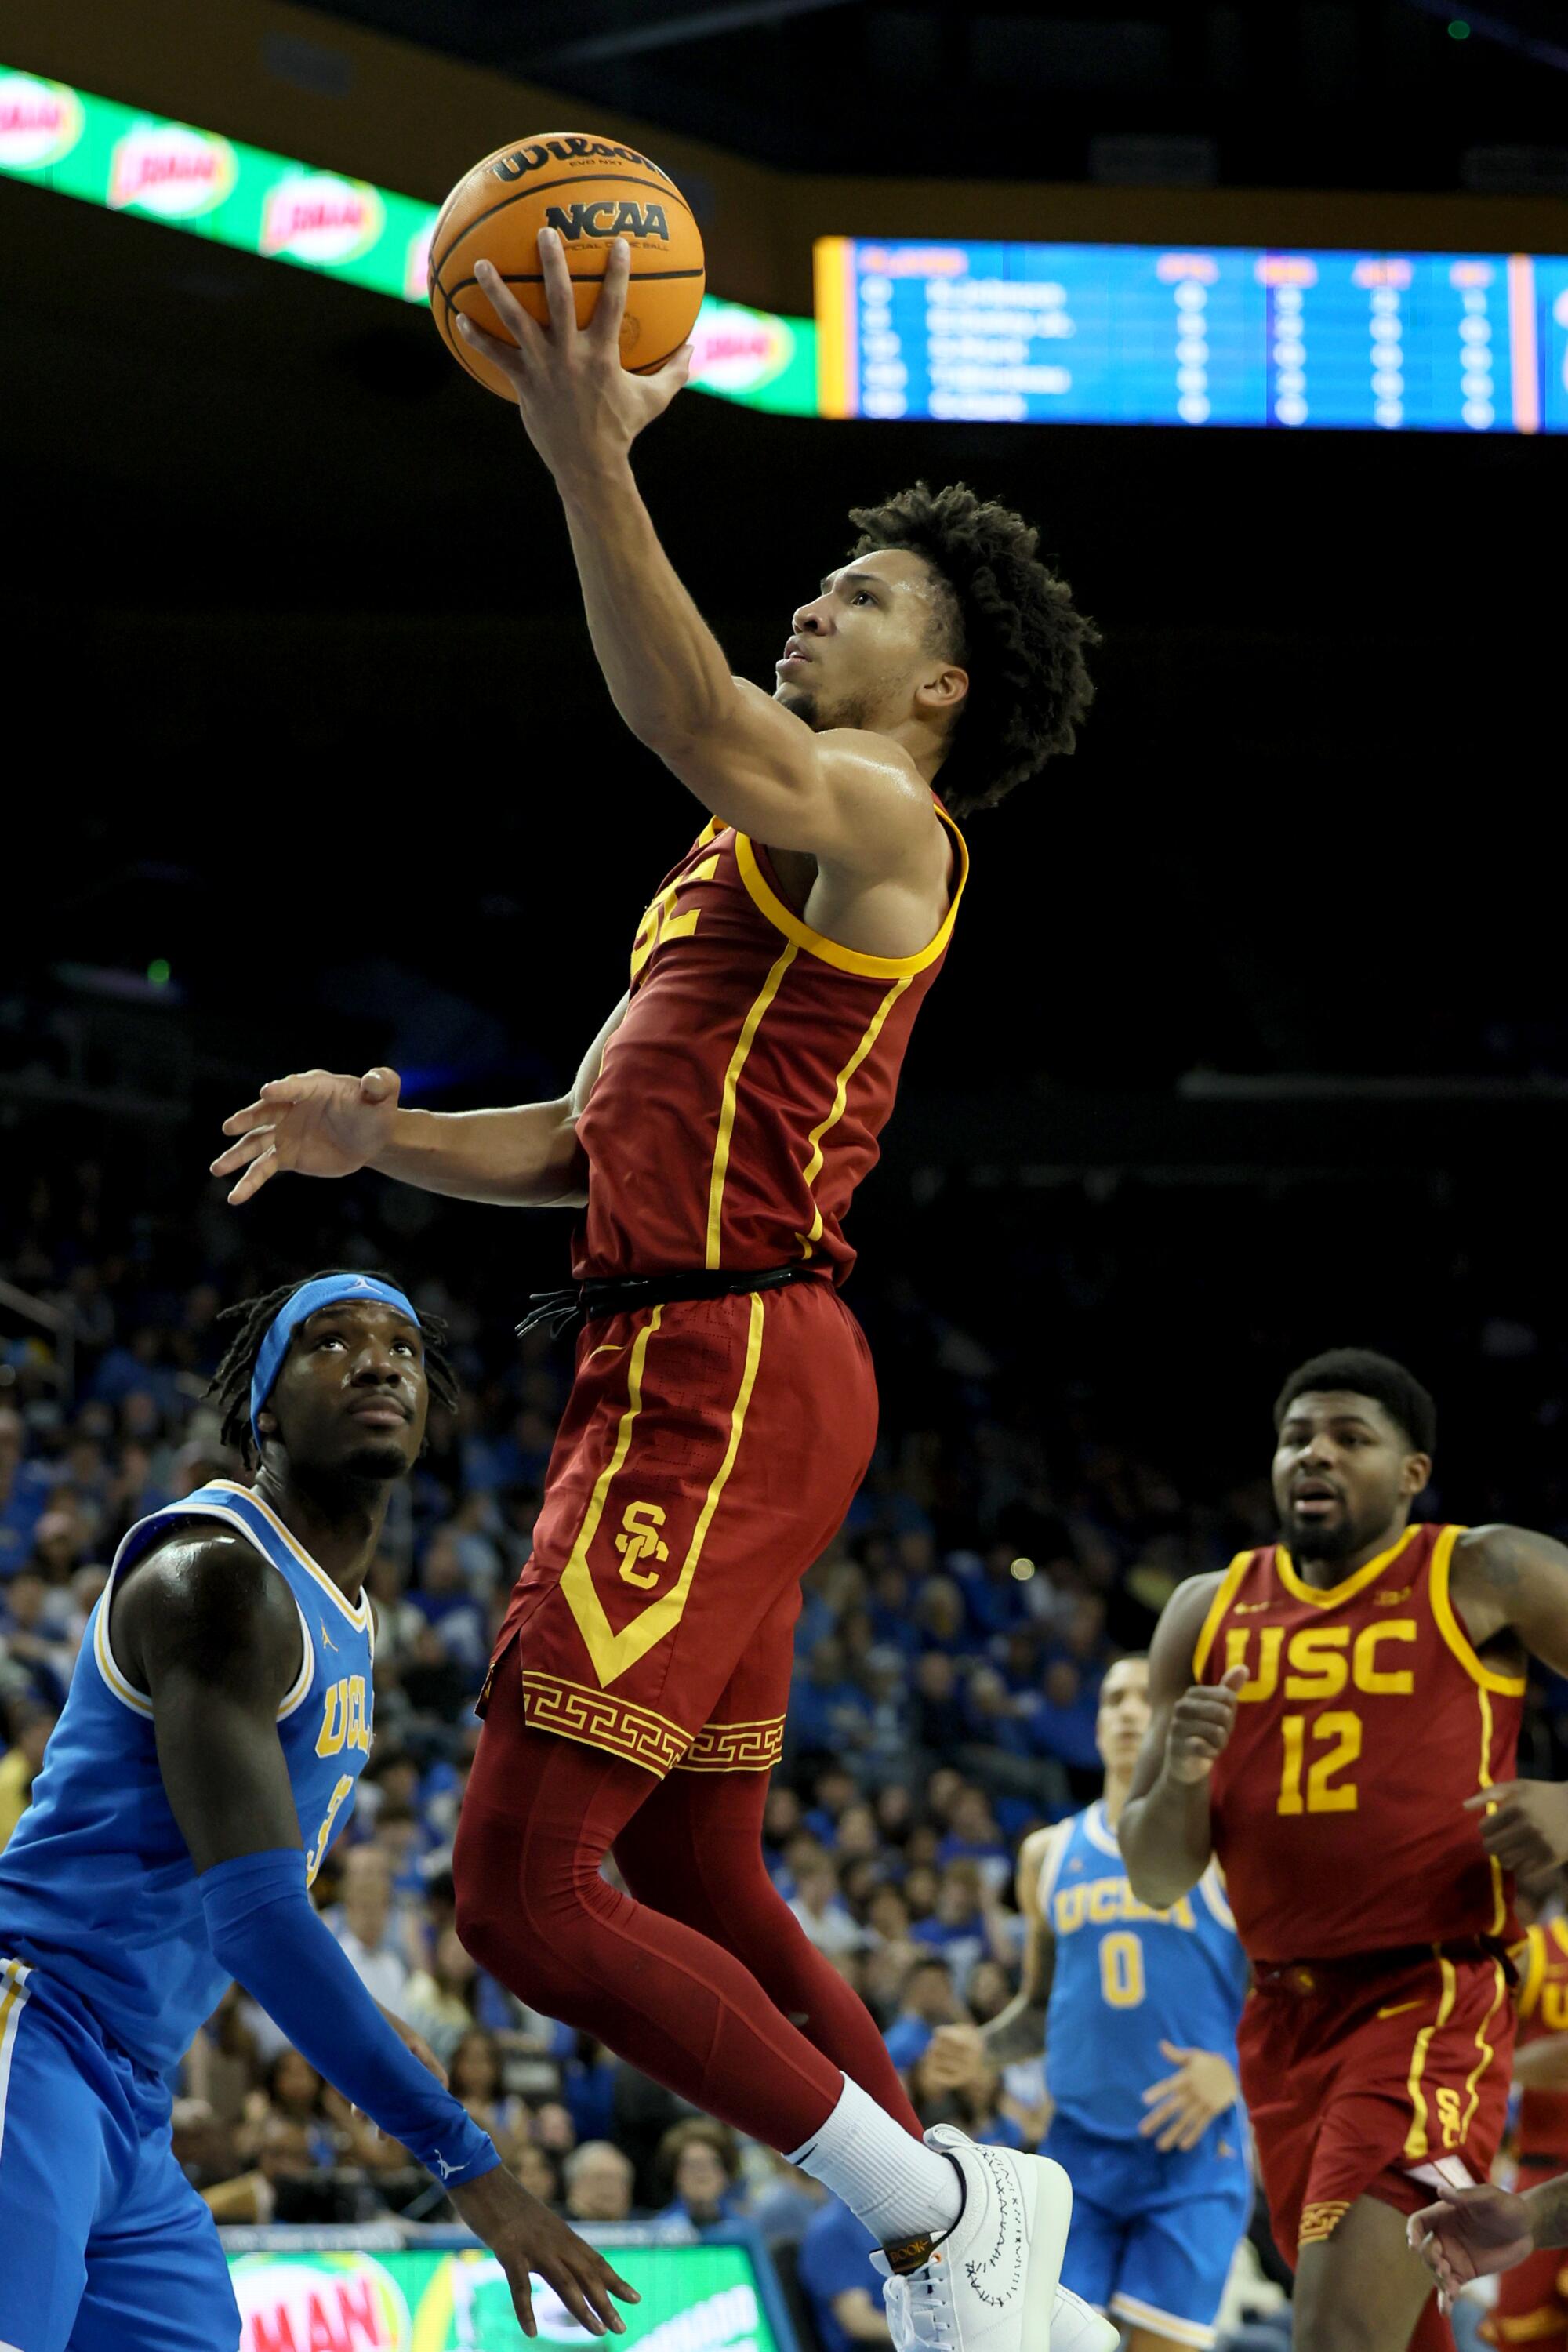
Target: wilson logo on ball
(574, 150)
(607, 218)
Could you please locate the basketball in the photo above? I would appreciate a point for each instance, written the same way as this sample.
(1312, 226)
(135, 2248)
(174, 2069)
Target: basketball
(592, 191)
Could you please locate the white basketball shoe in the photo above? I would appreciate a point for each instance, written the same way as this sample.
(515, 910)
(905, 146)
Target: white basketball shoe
(989, 2284)
(1077, 2326)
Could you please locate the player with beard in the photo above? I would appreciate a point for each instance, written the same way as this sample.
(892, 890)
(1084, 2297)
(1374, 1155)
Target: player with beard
(207, 1756)
(1335, 1717)
(723, 1408)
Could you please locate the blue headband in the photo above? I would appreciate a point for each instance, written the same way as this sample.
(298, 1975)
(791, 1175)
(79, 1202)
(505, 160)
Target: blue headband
(325, 1292)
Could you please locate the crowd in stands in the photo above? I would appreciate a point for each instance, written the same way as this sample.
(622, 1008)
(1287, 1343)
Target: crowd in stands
(949, 1655)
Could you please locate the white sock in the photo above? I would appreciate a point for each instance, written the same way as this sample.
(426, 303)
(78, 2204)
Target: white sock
(894, 2184)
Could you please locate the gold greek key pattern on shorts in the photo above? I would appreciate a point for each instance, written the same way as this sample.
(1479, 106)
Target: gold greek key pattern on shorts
(735, 1748)
(1320, 2222)
(599, 1719)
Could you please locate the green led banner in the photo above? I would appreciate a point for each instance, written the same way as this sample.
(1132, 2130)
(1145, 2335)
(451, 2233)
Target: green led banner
(695, 2298)
(108, 154)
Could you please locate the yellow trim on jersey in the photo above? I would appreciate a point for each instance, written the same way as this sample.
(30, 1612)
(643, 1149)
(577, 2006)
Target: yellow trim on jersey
(13, 1976)
(1453, 1633)
(1098, 1832)
(749, 1027)
(1229, 1585)
(1152, 2321)
(1416, 2147)
(1053, 1853)
(832, 951)
(360, 1617)
(1499, 1894)
(1529, 1957)
(614, 1652)
(812, 1167)
(1472, 2083)
(1334, 1596)
(137, 1701)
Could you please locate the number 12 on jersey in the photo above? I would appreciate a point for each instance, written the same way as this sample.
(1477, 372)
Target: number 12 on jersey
(1339, 1734)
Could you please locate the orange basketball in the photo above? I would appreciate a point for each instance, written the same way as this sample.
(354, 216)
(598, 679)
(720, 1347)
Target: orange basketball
(592, 191)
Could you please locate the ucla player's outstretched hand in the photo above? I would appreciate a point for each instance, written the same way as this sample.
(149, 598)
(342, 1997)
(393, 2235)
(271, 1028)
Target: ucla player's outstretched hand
(1182, 2105)
(524, 2236)
(580, 407)
(315, 1123)
(1469, 2232)
(1200, 1723)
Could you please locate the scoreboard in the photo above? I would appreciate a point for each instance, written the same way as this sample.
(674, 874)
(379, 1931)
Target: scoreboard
(1138, 334)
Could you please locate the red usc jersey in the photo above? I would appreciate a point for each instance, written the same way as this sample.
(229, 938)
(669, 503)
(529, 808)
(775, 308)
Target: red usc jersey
(1543, 1964)
(1338, 1806)
(741, 1098)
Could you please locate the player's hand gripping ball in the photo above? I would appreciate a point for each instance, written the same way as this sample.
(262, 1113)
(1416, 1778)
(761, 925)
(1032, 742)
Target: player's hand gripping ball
(592, 193)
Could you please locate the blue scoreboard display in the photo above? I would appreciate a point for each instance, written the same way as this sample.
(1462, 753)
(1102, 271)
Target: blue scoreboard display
(1138, 334)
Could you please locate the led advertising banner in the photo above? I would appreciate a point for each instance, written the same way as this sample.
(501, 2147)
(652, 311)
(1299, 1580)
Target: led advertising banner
(695, 2298)
(1134, 335)
(197, 181)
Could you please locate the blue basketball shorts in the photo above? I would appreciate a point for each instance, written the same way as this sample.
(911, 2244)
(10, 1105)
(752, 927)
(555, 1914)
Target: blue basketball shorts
(107, 2247)
(1153, 2236)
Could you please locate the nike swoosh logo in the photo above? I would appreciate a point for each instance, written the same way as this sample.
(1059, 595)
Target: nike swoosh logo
(1399, 2008)
(1250, 1608)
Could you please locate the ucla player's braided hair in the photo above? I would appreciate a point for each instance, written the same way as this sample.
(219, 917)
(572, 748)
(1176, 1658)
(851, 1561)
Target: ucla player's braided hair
(230, 1385)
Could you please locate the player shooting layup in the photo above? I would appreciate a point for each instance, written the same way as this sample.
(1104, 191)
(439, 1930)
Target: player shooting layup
(1335, 1717)
(723, 1410)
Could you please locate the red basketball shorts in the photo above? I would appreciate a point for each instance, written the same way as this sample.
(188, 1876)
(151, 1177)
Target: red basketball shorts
(1364, 2080)
(709, 1452)
(1532, 2306)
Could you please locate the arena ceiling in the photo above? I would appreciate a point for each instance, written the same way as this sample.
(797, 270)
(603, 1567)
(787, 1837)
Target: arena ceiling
(1312, 93)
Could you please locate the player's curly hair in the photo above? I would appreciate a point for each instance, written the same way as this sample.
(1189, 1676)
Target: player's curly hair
(229, 1387)
(1363, 1372)
(1012, 623)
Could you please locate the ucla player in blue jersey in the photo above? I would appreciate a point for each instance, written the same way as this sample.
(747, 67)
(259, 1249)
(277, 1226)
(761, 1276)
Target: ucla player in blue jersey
(1138, 2009)
(207, 1757)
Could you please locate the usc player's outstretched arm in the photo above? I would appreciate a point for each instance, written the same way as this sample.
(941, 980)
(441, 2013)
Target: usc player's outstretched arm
(1164, 1833)
(323, 1123)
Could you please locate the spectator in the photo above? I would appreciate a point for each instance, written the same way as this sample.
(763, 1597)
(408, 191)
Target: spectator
(34, 1623)
(834, 2267)
(701, 2162)
(927, 2001)
(821, 1910)
(965, 1923)
(31, 1724)
(598, 2183)
(438, 2001)
(364, 1925)
(828, 1712)
(474, 2074)
(535, 2167)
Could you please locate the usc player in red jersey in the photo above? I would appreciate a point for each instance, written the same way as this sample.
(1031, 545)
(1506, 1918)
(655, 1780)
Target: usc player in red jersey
(1483, 2227)
(723, 1408)
(1335, 1718)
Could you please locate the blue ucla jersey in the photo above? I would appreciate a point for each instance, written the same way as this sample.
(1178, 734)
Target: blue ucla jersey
(97, 1886)
(1128, 1978)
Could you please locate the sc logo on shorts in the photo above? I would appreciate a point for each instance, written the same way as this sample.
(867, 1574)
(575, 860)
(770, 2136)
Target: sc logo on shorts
(640, 1540)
